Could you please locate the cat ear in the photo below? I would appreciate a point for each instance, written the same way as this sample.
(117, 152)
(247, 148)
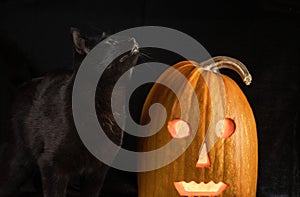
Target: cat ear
(79, 42)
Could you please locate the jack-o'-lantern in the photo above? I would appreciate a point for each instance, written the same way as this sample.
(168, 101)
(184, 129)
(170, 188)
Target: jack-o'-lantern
(222, 158)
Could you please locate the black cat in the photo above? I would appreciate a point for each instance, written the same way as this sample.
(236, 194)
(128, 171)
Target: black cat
(42, 131)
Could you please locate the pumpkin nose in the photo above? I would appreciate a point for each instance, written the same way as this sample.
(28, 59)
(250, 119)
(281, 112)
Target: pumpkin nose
(203, 160)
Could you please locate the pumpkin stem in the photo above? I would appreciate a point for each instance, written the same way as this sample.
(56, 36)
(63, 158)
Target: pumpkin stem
(219, 62)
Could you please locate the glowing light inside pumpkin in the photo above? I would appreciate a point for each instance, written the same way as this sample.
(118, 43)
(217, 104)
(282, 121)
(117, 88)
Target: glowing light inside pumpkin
(200, 189)
(179, 128)
(203, 160)
(225, 128)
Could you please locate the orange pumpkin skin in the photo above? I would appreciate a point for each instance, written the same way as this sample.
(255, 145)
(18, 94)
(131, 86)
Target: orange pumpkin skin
(233, 160)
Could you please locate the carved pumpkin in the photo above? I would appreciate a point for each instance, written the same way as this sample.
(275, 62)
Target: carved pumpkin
(220, 163)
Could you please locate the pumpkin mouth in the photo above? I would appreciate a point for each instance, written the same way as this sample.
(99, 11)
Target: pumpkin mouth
(200, 189)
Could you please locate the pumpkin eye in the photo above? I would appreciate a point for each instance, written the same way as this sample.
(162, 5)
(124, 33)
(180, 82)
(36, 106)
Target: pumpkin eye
(225, 128)
(179, 128)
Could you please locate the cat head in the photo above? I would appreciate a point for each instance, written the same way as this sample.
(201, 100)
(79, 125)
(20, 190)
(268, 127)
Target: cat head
(83, 44)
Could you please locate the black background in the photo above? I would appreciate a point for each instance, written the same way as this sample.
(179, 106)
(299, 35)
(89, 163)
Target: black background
(35, 38)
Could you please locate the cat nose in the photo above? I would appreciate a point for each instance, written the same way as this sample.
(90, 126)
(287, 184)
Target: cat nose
(135, 48)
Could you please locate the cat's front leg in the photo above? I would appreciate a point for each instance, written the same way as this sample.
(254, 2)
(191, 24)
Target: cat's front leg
(54, 181)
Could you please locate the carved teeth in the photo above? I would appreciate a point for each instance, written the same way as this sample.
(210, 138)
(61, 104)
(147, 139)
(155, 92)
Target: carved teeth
(200, 189)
